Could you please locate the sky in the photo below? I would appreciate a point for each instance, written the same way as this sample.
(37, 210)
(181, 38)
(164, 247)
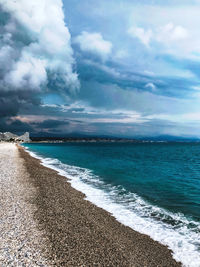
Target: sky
(122, 68)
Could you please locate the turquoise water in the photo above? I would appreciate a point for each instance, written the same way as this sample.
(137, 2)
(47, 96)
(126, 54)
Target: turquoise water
(152, 187)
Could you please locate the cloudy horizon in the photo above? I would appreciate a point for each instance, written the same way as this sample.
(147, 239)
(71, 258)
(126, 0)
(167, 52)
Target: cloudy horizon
(112, 68)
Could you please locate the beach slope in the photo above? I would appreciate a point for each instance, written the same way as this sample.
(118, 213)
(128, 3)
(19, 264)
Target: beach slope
(66, 229)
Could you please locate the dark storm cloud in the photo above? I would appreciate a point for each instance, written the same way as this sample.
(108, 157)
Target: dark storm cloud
(19, 127)
(35, 56)
(35, 49)
(166, 86)
(50, 124)
(12, 101)
(15, 126)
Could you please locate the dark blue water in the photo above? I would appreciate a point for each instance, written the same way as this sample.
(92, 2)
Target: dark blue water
(157, 182)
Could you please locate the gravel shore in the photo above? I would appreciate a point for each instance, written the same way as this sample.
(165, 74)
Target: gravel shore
(45, 222)
(21, 243)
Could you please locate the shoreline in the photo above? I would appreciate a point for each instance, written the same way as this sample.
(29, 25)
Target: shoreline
(82, 234)
(21, 242)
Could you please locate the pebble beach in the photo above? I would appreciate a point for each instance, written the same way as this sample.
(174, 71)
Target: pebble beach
(21, 242)
(45, 222)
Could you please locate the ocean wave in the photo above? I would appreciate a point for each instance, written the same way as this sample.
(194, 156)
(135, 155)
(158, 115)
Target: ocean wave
(179, 233)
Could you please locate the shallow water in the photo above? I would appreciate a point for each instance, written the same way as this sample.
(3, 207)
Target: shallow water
(152, 187)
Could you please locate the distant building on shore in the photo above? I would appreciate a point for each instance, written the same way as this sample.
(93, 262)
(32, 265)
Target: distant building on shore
(10, 137)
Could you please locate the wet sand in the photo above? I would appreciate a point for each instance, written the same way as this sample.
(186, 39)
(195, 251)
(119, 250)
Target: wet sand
(71, 231)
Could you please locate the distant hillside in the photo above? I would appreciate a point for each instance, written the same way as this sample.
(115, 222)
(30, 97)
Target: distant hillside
(87, 138)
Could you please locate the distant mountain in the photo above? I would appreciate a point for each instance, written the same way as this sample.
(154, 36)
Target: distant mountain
(84, 137)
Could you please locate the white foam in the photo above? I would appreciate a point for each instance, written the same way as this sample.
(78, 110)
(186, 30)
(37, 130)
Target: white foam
(131, 210)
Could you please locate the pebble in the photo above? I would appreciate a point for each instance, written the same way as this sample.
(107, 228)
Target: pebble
(21, 243)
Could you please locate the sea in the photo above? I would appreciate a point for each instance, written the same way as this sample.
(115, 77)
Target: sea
(152, 187)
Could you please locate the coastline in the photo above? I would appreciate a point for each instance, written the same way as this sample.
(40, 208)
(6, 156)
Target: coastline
(21, 242)
(80, 233)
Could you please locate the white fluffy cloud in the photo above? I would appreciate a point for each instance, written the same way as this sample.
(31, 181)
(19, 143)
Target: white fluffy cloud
(167, 34)
(35, 48)
(94, 43)
(143, 35)
(171, 33)
(175, 29)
